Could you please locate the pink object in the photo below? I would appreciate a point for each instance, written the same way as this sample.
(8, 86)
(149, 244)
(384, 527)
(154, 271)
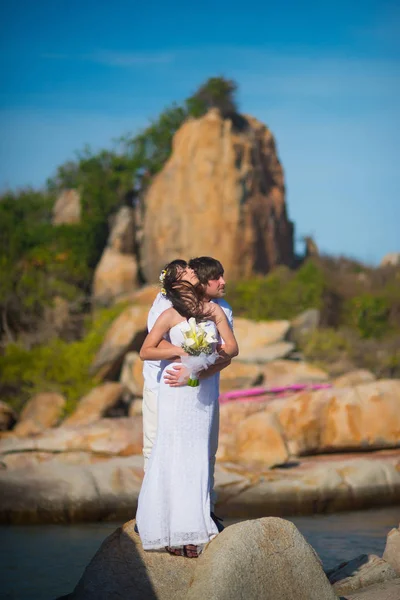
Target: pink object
(280, 390)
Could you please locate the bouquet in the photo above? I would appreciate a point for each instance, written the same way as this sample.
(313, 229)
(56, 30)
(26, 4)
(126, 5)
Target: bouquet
(198, 343)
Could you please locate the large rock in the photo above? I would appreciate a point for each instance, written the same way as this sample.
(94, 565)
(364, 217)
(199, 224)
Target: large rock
(392, 550)
(116, 273)
(67, 209)
(8, 416)
(125, 334)
(290, 372)
(360, 572)
(40, 412)
(267, 559)
(252, 335)
(145, 295)
(361, 417)
(258, 439)
(239, 375)
(223, 173)
(268, 353)
(132, 374)
(392, 259)
(304, 324)
(95, 404)
(354, 378)
(388, 590)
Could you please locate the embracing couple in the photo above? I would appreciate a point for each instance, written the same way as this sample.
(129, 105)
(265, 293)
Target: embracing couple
(180, 422)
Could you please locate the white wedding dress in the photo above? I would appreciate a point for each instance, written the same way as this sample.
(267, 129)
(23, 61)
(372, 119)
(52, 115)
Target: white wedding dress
(174, 501)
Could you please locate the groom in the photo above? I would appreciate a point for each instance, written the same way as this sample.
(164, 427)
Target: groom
(210, 274)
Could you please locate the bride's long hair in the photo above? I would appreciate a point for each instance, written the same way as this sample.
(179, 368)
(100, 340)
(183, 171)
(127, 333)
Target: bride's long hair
(186, 298)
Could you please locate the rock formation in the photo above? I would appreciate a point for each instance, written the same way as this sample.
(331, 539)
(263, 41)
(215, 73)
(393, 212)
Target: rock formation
(221, 193)
(67, 209)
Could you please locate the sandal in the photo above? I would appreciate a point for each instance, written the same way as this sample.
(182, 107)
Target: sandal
(174, 551)
(190, 551)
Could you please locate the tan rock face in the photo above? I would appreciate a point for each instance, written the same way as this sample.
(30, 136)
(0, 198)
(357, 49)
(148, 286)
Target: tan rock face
(360, 572)
(125, 334)
(260, 341)
(227, 179)
(259, 439)
(95, 404)
(364, 416)
(288, 372)
(392, 550)
(239, 375)
(67, 209)
(132, 374)
(116, 273)
(354, 378)
(39, 413)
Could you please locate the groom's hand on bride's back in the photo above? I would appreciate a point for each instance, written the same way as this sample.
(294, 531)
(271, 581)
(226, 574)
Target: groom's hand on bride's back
(177, 376)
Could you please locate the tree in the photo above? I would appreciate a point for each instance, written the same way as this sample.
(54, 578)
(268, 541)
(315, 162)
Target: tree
(216, 92)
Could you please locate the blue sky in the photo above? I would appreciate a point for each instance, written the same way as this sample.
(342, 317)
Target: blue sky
(324, 76)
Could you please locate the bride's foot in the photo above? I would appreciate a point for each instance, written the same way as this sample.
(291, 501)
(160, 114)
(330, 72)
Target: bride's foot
(190, 551)
(174, 551)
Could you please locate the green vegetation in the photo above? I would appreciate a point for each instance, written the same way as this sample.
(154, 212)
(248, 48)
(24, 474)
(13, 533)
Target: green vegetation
(58, 366)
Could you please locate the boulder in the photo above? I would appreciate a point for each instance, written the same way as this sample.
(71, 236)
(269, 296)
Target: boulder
(268, 353)
(354, 378)
(239, 375)
(132, 374)
(95, 404)
(389, 590)
(258, 439)
(361, 417)
(125, 334)
(145, 295)
(360, 572)
(392, 550)
(67, 209)
(225, 173)
(107, 437)
(391, 260)
(42, 411)
(290, 372)
(267, 558)
(304, 324)
(8, 416)
(136, 407)
(252, 335)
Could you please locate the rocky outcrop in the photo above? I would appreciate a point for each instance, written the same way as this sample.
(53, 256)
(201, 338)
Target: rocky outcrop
(290, 372)
(359, 573)
(95, 404)
(40, 412)
(116, 273)
(67, 209)
(392, 550)
(391, 260)
(224, 174)
(267, 558)
(126, 334)
(132, 374)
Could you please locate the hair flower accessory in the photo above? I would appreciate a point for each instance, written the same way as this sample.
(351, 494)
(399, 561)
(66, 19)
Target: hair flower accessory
(162, 275)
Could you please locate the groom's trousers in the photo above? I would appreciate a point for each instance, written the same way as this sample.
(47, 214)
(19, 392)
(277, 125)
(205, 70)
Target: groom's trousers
(150, 433)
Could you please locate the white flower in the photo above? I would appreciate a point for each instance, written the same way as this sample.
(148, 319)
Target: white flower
(192, 324)
(210, 337)
(189, 342)
(185, 327)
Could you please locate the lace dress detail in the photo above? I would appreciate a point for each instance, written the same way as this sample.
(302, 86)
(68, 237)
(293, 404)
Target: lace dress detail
(174, 501)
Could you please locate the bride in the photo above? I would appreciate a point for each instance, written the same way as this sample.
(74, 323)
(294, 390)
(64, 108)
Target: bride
(174, 502)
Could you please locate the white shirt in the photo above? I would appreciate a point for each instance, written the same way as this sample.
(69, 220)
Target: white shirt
(152, 368)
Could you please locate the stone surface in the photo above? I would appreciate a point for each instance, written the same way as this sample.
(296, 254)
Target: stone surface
(8, 416)
(365, 416)
(116, 273)
(267, 354)
(94, 476)
(304, 324)
(258, 439)
(40, 412)
(360, 572)
(356, 377)
(239, 375)
(67, 209)
(392, 259)
(107, 437)
(132, 374)
(252, 335)
(267, 558)
(125, 334)
(145, 295)
(392, 550)
(289, 372)
(95, 404)
(389, 590)
(224, 173)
